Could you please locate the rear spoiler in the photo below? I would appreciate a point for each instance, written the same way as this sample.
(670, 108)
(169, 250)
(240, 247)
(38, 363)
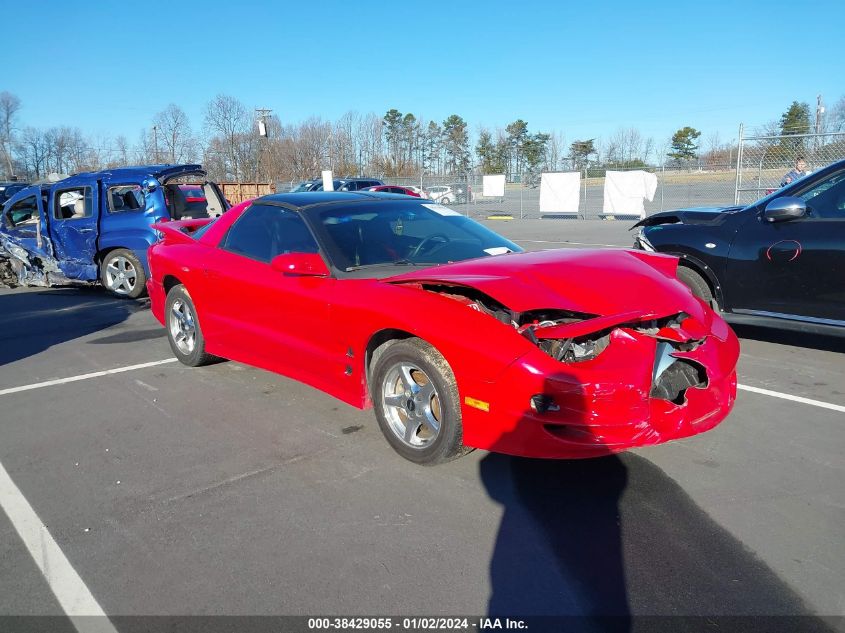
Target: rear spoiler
(180, 231)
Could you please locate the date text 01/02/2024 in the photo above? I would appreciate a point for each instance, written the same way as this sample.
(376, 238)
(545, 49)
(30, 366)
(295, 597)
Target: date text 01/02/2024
(415, 623)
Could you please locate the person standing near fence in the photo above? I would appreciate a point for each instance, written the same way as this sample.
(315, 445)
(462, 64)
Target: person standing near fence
(799, 172)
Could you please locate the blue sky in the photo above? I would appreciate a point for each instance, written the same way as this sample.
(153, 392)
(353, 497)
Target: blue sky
(584, 68)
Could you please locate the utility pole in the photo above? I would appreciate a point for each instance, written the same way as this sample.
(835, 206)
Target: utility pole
(261, 115)
(155, 144)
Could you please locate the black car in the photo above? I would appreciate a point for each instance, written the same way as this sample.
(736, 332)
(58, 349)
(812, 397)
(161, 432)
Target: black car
(779, 261)
(340, 184)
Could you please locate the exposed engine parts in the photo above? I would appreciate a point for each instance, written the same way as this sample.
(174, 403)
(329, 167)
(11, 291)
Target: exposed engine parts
(672, 376)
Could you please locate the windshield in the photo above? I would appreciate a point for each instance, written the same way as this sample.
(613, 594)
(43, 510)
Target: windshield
(402, 233)
(303, 186)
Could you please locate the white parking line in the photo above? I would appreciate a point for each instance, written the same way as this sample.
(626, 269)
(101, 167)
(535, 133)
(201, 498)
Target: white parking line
(119, 370)
(74, 597)
(96, 374)
(787, 396)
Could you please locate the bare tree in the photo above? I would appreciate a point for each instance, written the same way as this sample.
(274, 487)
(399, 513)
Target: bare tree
(174, 132)
(34, 151)
(226, 117)
(122, 149)
(556, 150)
(9, 106)
(613, 148)
(648, 149)
(632, 147)
(836, 118)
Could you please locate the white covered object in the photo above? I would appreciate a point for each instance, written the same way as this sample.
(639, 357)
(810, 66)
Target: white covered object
(625, 191)
(560, 192)
(328, 181)
(494, 186)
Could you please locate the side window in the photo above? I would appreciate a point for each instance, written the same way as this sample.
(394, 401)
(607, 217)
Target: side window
(73, 204)
(827, 198)
(264, 231)
(22, 213)
(123, 198)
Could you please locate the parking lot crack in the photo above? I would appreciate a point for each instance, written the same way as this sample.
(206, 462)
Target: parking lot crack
(259, 472)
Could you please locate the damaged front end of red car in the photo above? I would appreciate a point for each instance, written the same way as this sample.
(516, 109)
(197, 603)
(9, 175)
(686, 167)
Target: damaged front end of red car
(593, 385)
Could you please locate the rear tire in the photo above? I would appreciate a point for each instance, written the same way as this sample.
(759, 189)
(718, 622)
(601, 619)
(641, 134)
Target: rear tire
(122, 274)
(183, 329)
(416, 403)
(695, 282)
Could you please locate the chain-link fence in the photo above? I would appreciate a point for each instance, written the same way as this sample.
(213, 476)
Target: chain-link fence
(765, 160)
(676, 188)
(761, 163)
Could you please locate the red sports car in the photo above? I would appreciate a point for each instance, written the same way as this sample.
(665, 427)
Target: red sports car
(455, 337)
(193, 193)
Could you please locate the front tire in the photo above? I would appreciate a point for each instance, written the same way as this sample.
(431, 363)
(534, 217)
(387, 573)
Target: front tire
(416, 403)
(122, 274)
(695, 282)
(183, 329)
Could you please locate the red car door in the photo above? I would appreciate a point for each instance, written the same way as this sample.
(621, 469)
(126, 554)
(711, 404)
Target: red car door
(261, 316)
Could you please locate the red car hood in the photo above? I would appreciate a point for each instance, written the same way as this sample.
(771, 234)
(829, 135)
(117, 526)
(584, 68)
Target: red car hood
(599, 282)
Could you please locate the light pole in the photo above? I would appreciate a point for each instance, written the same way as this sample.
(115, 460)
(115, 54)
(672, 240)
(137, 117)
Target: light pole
(261, 117)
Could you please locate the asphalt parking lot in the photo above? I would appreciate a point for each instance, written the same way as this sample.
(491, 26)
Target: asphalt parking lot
(230, 490)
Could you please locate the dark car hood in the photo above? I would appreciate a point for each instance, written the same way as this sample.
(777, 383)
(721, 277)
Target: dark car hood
(598, 282)
(693, 215)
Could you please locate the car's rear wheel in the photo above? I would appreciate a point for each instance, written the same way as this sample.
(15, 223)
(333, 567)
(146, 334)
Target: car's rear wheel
(695, 282)
(183, 329)
(122, 274)
(416, 402)
(445, 200)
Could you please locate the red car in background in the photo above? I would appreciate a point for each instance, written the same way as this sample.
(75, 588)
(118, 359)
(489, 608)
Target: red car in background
(454, 336)
(405, 191)
(193, 193)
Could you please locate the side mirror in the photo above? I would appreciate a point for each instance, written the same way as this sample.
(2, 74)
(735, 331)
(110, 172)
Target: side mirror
(785, 208)
(149, 184)
(300, 264)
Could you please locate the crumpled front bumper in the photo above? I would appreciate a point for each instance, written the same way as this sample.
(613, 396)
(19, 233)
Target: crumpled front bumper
(602, 406)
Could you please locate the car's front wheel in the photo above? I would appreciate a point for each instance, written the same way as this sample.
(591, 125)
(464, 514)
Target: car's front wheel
(183, 329)
(122, 273)
(695, 282)
(416, 402)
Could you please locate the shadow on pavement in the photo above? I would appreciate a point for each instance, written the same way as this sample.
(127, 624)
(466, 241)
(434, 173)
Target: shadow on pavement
(790, 337)
(35, 320)
(615, 536)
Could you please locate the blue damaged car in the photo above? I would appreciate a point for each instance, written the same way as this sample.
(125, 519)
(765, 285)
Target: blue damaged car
(97, 226)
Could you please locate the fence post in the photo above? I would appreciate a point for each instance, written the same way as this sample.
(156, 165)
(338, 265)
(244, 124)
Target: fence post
(738, 183)
(662, 182)
(585, 192)
(521, 213)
